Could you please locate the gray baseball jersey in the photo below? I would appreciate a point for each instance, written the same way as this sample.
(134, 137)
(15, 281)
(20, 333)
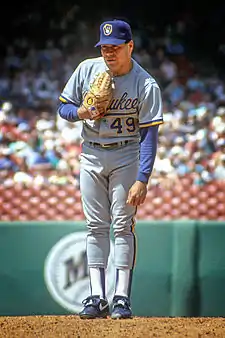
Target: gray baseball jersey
(136, 102)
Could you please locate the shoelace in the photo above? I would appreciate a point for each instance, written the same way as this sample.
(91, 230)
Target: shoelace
(90, 301)
(122, 303)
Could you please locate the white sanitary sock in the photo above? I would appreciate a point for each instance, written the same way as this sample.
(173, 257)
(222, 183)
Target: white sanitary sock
(97, 280)
(123, 282)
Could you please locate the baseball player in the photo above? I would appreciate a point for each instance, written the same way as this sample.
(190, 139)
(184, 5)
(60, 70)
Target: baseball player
(118, 152)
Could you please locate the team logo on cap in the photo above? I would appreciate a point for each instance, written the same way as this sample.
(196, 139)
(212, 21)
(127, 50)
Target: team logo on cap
(107, 29)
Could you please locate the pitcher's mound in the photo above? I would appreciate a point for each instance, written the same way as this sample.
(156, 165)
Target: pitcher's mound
(72, 326)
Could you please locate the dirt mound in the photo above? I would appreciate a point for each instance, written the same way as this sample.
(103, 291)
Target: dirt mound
(72, 326)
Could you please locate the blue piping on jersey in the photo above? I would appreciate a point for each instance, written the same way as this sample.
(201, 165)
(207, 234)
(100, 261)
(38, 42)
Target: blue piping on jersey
(148, 148)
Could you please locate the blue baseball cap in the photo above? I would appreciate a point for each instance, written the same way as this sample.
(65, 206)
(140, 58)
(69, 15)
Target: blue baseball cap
(114, 32)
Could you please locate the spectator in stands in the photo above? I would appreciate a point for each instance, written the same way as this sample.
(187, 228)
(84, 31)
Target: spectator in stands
(220, 168)
(6, 160)
(195, 83)
(168, 70)
(174, 91)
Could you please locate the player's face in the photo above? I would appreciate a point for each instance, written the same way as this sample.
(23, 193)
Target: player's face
(118, 58)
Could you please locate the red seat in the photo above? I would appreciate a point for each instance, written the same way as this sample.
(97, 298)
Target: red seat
(193, 213)
(167, 196)
(175, 213)
(203, 196)
(6, 207)
(33, 214)
(18, 188)
(141, 213)
(157, 213)
(8, 194)
(185, 196)
(41, 217)
(44, 194)
(25, 194)
(34, 201)
(78, 217)
(166, 207)
(52, 200)
(212, 202)
(70, 201)
(24, 207)
(193, 202)
(60, 207)
(53, 189)
(23, 217)
(71, 190)
(5, 218)
(16, 201)
(193, 190)
(69, 214)
(221, 209)
(211, 189)
(50, 213)
(61, 194)
(59, 217)
(220, 195)
(184, 208)
(76, 194)
(175, 201)
(15, 214)
(203, 208)
(212, 214)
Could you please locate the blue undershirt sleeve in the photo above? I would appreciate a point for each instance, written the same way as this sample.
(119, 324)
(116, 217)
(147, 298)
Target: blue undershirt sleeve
(68, 111)
(148, 148)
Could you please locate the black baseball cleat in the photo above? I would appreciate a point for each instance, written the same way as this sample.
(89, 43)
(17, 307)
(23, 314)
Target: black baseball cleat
(94, 307)
(121, 308)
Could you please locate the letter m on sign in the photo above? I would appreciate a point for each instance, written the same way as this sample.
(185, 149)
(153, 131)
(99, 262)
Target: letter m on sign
(75, 270)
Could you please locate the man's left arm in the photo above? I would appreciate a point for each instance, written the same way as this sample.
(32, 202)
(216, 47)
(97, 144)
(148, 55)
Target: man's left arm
(150, 117)
(148, 148)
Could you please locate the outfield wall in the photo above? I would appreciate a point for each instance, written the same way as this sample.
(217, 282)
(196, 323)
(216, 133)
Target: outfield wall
(180, 269)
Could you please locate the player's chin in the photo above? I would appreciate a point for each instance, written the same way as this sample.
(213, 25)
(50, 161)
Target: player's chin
(111, 63)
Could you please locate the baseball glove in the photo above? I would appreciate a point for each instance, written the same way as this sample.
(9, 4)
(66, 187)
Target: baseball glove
(99, 95)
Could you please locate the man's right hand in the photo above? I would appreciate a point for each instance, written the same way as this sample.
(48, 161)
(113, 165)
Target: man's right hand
(83, 113)
(88, 114)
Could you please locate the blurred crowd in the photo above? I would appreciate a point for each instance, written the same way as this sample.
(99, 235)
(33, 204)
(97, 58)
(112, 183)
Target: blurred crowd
(38, 147)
